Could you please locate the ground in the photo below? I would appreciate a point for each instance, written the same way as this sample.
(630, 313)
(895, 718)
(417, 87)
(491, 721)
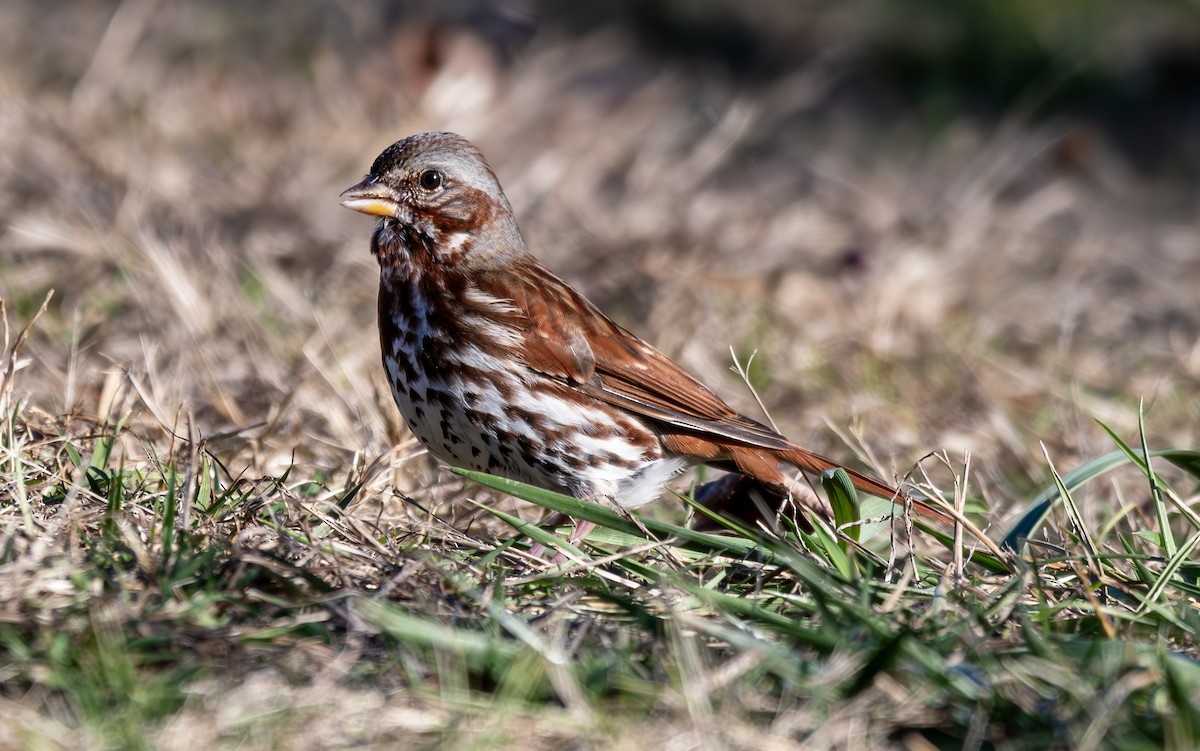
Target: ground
(211, 514)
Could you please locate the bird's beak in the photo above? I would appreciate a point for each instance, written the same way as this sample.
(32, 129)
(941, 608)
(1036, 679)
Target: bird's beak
(372, 197)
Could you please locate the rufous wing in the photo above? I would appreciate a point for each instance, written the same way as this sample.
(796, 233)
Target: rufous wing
(568, 338)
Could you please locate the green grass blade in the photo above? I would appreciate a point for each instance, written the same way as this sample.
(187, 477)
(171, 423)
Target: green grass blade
(824, 543)
(1182, 555)
(536, 533)
(1188, 461)
(1156, 494)
(840, 492)
(1157, 484)
(1181, 679)
(1033, 519)
(754, 612)
(577, 509)
(479, 648)
(1085, 537)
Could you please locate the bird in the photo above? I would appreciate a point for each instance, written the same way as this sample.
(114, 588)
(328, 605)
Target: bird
(498, 365)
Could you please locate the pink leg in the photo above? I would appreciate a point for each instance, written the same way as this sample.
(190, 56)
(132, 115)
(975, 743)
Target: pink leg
(581, 531)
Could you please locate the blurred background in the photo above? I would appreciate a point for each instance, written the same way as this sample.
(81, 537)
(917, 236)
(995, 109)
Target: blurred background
(943, 225)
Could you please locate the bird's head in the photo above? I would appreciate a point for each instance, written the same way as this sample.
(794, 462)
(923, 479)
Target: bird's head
(435, 194)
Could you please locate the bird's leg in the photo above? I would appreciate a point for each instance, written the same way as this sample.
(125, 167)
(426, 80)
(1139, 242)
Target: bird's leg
(581, 531)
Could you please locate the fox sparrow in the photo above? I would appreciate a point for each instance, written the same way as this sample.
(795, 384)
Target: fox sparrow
(498, 365)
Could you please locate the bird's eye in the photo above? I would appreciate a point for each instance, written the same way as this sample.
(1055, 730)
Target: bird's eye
(431, 179)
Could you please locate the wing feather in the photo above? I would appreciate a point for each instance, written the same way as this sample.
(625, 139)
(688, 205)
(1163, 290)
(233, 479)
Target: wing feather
(568, 338)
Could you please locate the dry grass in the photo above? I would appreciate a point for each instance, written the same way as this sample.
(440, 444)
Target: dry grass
(171, 172)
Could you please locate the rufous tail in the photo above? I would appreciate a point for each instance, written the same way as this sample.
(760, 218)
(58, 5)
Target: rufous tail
(802, 458)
